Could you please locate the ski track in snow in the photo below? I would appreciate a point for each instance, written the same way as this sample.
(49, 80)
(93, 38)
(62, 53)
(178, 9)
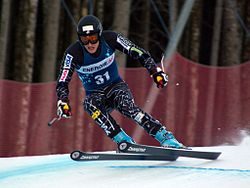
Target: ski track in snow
(232, 169)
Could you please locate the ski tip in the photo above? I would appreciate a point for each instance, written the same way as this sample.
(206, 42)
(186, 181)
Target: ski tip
(123, 146)
(75, 155)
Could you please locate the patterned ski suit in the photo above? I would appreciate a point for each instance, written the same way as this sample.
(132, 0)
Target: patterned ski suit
(105, 89)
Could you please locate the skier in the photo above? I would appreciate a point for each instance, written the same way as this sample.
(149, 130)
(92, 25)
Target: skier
(92, 56)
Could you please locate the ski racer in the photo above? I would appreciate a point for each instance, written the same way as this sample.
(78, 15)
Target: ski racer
(92, 56)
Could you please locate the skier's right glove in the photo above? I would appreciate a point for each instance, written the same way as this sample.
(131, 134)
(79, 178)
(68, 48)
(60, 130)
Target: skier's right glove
(63, 109)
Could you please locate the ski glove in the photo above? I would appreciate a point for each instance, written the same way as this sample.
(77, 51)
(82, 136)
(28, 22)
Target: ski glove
(63, 109)
(160, 78)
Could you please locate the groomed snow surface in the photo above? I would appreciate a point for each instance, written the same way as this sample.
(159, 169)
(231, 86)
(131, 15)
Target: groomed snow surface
(232, 169)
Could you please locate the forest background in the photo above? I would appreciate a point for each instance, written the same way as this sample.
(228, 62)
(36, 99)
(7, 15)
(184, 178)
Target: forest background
(35, 33)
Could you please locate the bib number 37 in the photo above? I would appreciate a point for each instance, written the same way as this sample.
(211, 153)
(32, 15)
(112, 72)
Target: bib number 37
(100, 79)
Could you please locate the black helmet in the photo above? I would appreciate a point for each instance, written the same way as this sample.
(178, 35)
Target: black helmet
(89, 25)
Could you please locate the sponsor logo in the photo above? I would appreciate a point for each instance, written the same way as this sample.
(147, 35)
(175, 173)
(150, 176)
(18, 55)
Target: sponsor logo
(64, 76)
(90, 157)
(97, 66)
(87, 28)
(67, 61)
(123, 146)
(96, 114)
(136, 149)
(105, 128)
(139, 117)
(124, 42)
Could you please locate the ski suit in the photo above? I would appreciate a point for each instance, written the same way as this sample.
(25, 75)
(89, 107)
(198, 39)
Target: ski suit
(105, 89)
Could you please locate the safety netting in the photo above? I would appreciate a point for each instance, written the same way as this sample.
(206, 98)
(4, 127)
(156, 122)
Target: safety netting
(202, 106)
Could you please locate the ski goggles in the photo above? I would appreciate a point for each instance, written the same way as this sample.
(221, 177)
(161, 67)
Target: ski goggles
(93, 39)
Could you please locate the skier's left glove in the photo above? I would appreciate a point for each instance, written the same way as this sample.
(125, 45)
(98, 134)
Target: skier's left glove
(160, 78)
(63, 109)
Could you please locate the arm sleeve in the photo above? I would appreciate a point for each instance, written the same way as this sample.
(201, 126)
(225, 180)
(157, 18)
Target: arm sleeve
(65, 75)
(123, 44)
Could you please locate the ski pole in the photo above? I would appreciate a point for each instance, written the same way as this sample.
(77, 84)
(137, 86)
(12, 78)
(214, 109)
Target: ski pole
(50, 123)
(162, 65)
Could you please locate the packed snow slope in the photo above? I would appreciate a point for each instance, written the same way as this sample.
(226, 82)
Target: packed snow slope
(232, 169)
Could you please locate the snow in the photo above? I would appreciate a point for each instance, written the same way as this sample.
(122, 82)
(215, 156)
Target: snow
(232, 169)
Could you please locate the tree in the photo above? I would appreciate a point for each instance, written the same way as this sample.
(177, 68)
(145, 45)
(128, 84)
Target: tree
(230, 55)
(195, 32)
(246, 34)
(4, 34)
(231, 40)
(24, 40)
(50, 27)
(121, 23)
(216, 33)
(100, 10)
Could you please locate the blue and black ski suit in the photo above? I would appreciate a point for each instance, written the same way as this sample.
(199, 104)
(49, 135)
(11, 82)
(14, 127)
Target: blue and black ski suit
(105, 89)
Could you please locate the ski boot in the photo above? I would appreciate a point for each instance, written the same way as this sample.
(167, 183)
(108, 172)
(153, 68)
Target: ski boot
(167, 139)
(122, 136)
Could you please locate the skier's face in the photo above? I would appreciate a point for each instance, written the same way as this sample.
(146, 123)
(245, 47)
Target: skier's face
(91, 48)
(91, 42)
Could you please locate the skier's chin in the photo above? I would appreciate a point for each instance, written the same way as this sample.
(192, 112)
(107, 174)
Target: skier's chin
(91, 49)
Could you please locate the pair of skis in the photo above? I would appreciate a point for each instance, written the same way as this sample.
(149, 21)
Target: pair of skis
(129, 151)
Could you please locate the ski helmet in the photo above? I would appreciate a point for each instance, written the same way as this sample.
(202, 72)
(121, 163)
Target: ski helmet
(89, 25)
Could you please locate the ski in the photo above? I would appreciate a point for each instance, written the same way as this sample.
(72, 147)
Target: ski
(125, 147)
(92, 156)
